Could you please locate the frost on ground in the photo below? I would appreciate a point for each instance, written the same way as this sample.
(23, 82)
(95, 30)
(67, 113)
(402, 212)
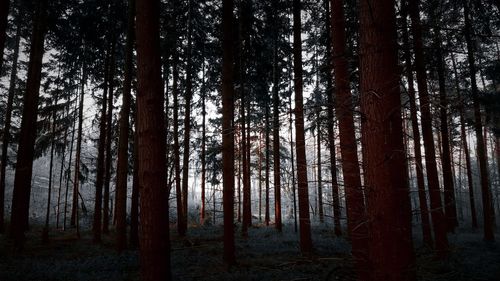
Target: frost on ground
(265, 255)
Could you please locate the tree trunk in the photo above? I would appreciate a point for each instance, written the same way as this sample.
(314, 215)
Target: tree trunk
(97, 223)
(76, 178)
(488, 212)
(4, 13)
(276, 133)
(45, 231)
(155, 244)
(203, 149)
(61, 173)
(27, 135)
(8, 120)
(306, 246)
(109, 127)
(438, 220)
(187, 121)
(134, 204)
(449, 189)
(355, 207)
(122, 164)
(463, 134)
(68, 172)
(228, 131)
(267, 155)
(391, 254)
(177, 161)
(422, 196)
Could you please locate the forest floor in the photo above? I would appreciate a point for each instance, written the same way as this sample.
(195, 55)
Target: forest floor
(265, 255)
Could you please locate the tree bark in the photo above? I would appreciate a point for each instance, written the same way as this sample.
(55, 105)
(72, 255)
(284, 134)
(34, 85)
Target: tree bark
(187, 120)
(122, 164)
(8, 120)
(228, 131)
(177, 162)
(391, 254)
(268, 160)
(27, 135)
(306, 246)
(109, 127)
(355, 207)
(155, 244)
(276, 131)
(134, 204)
(488, 212)
(438, 219)
(422, 196)
(97, 223)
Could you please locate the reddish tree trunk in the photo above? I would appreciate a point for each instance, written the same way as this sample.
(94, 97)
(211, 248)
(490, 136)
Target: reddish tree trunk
(306, 246)
(228, 131)
(27, 135)
(134, 203)
(438, 220)
(122, 164)
(422, 196)
(267, 155)
(356, 214)
(203, 148)
(276, 135)
(388, 203)
(154, 245)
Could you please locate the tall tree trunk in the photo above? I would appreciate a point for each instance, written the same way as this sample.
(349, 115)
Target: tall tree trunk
(177, 161)
(187, 120)
(68, 172)
(276, 131)
(76, 177)
(292, 160)
(331, 122)
(4, 13)
(122, 164)
(463, 134)
(45, 231)
(61, 172)
(8, 120)
(155, 241)
(109, 127)
(27, 135)
(134, 203)
(228, 131)
(267, 155)
(203, 148)
(422, 196)
(355, 207)
(306, 246)
(97, 223)
(449, 189)
(320, 180)
(438, 219)
(488, 212)
(388, 203)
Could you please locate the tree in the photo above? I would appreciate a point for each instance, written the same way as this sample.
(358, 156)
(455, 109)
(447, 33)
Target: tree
(122, 165)
(437, 215)
(228, 131)
(488, 213)
(306, 246)
(8, 119)
(24, 164)
(356, 214)
(388, 204)
(422, 196)
(154, 243)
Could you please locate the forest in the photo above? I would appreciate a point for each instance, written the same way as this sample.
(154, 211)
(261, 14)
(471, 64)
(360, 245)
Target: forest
(250, 140)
